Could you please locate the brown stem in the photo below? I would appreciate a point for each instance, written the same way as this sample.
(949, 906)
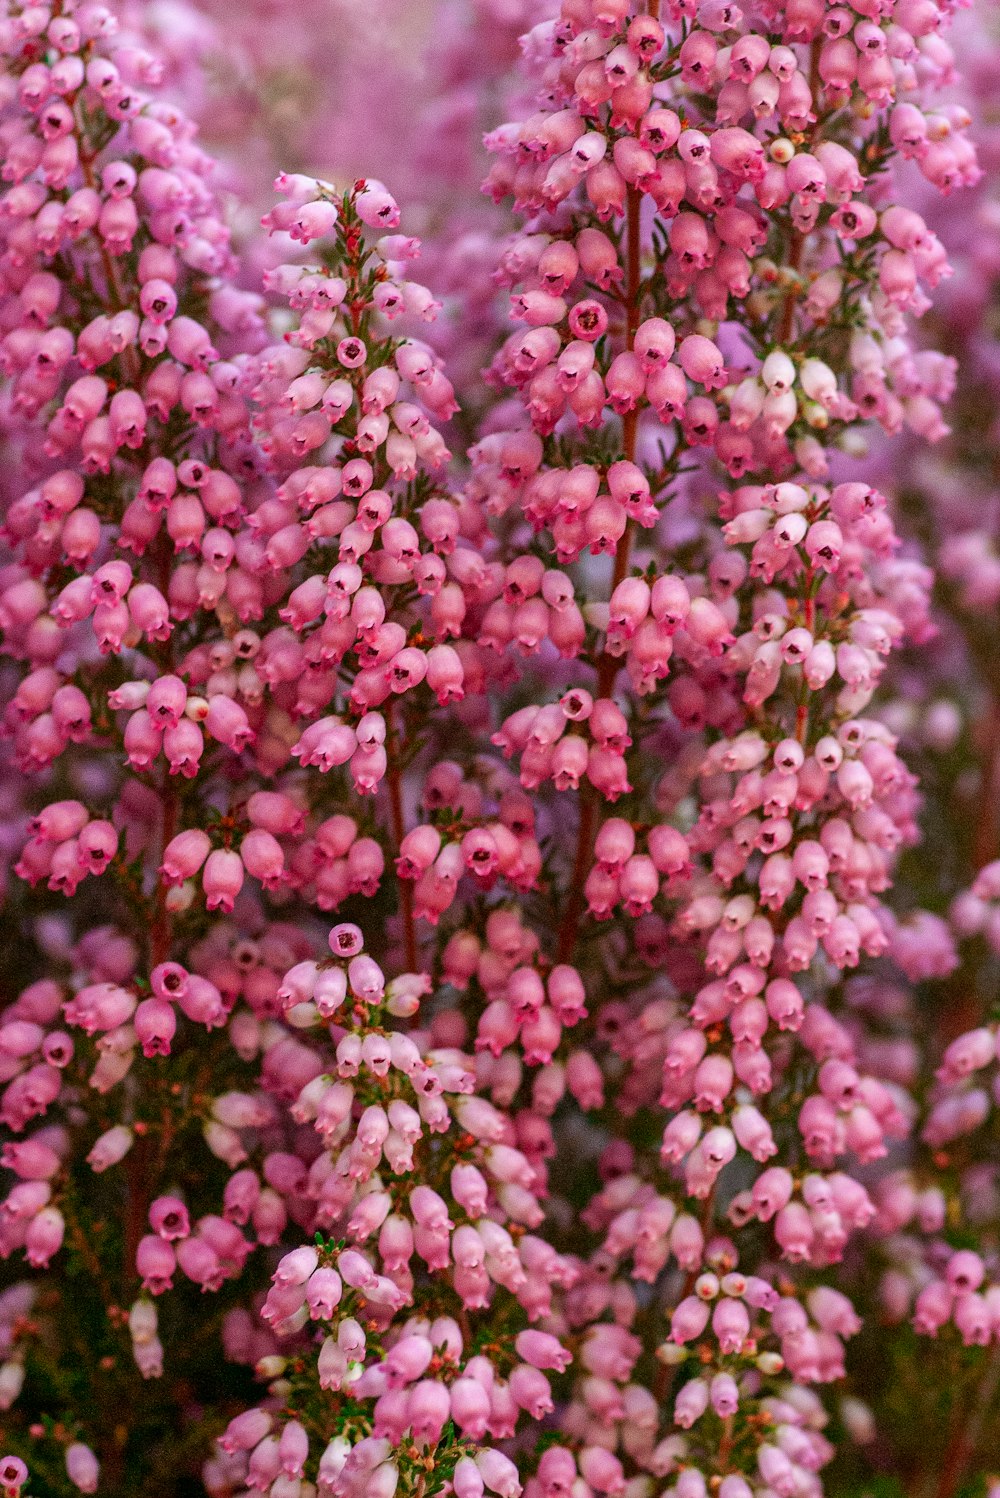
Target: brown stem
(802, 723)
(987, 837)
(570, 924)
(791, 295)
(162, 929)
(968, 1429)
(632, 249)
(130, 359)
(139, 1196)
(393, 780)
(167, 1131)
(143, 1171)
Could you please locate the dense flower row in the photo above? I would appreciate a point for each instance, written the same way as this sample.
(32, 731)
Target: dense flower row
(537, 1172)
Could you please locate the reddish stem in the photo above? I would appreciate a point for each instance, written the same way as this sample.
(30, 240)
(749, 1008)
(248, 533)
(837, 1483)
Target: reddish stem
(791, 295)
(393, 780)
(130, 359)
(987, 835)
(607, 666)
(137, 1182)
(162, 929)
(162, 926)
(968, 1429)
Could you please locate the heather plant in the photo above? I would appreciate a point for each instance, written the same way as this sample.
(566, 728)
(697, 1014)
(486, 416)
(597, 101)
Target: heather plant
(461, 1035)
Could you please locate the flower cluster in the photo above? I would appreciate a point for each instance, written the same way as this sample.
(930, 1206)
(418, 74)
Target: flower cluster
(566, 1160)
